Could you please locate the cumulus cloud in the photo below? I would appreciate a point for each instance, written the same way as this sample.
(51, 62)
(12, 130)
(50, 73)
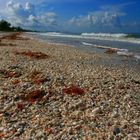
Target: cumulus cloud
(26, 16)
(98, 19)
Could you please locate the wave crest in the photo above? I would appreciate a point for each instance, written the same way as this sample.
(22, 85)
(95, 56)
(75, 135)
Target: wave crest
(119, 35)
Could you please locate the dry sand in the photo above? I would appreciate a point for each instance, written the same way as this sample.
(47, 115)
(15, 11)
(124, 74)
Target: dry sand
(55, 92)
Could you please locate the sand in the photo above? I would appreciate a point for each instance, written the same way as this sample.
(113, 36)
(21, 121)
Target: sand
(56, 92)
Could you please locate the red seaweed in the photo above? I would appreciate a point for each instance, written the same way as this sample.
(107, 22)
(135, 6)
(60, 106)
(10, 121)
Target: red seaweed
(2, 135)
(19, 106)
(73, 90)
(48, 130)
(14, 36)
(10, 74)
(34, 55)
(15, 82)
(110, 51)
(39, 80)
(33, 96)
(36, 78)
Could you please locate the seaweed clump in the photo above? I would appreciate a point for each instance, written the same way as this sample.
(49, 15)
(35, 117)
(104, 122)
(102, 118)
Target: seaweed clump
(73, 90)
(36, 78)
(33, 96)
(14, 36)
(10, 74)
(34, 55)
(110, 51)
(20, 106)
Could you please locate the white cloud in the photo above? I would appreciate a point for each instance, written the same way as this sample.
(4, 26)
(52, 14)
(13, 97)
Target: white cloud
(26, 16)
(98, 19)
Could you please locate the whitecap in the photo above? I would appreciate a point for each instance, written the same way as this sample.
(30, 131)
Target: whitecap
(87, 44)
(117, 35)
(125, 53)
(137, 56)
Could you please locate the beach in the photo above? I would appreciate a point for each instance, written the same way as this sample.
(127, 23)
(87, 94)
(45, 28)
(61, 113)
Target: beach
(57, 92)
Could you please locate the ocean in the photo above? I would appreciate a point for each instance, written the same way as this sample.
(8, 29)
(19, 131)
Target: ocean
(127, 46)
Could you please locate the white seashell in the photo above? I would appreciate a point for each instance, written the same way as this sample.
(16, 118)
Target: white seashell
(95, 111)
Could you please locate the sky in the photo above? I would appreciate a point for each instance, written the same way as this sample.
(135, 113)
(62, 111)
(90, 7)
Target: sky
(108, 16)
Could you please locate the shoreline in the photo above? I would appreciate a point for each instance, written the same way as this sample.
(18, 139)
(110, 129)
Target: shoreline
(111, 56)
(59, 92)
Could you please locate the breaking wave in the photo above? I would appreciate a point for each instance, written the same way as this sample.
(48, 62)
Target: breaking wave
(57, 34)
(137, 56)
(87, 44)
(120, 35)
(111, 37)
(125, 53)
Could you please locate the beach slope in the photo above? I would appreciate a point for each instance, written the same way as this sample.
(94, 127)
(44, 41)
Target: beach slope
(55, 92)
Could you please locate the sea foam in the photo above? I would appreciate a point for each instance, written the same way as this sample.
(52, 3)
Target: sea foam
(119, 35)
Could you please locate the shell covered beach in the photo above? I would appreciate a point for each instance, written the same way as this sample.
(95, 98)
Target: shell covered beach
(56, 92)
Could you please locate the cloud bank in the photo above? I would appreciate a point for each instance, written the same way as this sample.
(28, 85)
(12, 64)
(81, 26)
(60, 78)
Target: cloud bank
(98, 19)
(27, 17)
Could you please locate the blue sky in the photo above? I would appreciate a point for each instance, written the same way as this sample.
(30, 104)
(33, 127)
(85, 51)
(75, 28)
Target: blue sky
(73, 15)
